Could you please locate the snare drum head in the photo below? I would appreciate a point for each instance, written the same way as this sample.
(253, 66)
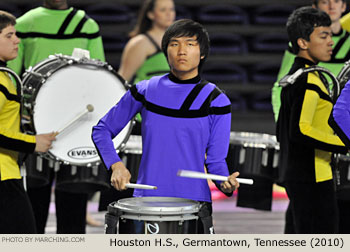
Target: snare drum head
(157, 205)
(64, 96)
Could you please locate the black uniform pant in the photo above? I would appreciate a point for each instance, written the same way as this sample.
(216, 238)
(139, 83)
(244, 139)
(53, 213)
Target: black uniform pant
(16, 214)
(70, 208)
(312, 208)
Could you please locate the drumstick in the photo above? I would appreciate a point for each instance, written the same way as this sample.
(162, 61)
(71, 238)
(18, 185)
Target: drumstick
(202, 175)
(89, 108)
(140, 186)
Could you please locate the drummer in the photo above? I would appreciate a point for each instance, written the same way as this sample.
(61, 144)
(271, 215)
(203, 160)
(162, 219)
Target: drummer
(16, 215)
(185, 119)
(65, 29)
(305, 137)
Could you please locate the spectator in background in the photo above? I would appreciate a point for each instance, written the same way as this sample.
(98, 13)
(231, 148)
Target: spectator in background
(341, 47)
(47, 30)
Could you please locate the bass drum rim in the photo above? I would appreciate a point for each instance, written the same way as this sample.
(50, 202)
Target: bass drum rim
(64, 61)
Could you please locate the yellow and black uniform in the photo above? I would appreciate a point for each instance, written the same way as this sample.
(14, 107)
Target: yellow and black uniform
(16, 215)
(306, 142)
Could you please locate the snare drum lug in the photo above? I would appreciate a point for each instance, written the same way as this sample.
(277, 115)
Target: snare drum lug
(275, 160)
(264, 157)
(73, 170)
(242, 155)
(51, 164)
(39, 163)
(57, 166)
(95, 171)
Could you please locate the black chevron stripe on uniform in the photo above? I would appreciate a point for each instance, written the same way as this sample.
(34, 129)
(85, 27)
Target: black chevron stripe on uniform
(8, 95)
(204, 110)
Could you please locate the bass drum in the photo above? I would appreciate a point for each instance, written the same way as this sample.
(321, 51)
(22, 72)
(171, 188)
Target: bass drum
(57, 91)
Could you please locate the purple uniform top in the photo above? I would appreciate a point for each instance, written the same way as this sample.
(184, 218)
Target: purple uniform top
(181, 122)
(340, 117)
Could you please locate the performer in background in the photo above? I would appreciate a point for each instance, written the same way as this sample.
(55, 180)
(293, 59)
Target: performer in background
(16, 214)
(142, 59)
(186, 124)
(56, 28)
(305, 137)
(341, 47)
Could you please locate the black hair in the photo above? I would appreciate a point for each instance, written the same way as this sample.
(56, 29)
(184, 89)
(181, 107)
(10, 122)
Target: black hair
(6, 19)
(302, 22)
(315, 2)
(188, 28)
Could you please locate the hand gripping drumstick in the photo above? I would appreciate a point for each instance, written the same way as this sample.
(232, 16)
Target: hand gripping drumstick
(89, 108)
(202, 175)
(140, 186)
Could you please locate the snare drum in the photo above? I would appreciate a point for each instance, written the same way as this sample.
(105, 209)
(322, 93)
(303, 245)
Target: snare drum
(56, 91)
(253, 154)
(342, 176)
(152, 215)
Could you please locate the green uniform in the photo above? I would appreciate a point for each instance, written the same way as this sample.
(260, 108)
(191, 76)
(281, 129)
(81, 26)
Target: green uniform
(45, 32)
(341, 54)
(155, 64)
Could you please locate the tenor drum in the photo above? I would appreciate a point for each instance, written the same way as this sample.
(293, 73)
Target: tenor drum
(152, 215)
(253, 154)
(56, 91)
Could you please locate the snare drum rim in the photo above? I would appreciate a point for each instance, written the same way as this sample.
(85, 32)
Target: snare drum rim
(159, 218)
(129, 205)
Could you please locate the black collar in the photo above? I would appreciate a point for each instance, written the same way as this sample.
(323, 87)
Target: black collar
(2, 63)
(194, 80)
(303, 61)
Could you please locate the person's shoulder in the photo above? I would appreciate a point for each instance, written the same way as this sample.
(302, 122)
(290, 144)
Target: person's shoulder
(90, 22)
(219, 97)
(138, 40)
(5, 81)
(28, 17)
(345, 22)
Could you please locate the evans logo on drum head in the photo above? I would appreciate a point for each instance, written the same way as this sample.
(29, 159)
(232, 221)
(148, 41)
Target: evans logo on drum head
(82, 153)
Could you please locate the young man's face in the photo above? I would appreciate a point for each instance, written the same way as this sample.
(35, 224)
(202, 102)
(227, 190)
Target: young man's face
(334, 8)
(184, 57)
(8, 43)
(319, 48)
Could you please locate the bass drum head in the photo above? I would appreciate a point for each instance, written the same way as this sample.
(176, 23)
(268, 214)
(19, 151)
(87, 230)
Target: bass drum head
(64, 96)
